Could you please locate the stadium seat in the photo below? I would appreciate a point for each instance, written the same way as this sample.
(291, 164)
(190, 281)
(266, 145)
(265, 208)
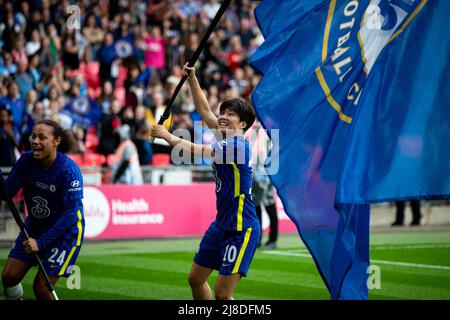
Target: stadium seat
(76, 158)
(91, 73)
(110, 159)
(92, 141)
(161, 159)
(93, 159)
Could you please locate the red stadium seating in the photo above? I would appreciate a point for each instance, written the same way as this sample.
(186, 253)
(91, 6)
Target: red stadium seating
(93, 159)
(76, 158)
(92, 141)
(161, 159)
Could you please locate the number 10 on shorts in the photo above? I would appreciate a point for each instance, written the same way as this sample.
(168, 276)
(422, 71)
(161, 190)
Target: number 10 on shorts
(230, 254)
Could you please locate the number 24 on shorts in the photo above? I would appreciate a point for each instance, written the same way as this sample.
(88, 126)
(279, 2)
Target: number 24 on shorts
(61, 256)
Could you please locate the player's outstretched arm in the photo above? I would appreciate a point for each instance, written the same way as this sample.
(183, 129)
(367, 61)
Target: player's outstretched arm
(200, 101)
(159, 131)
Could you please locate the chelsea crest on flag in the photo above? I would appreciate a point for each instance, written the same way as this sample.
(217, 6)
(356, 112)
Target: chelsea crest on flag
(332, 72)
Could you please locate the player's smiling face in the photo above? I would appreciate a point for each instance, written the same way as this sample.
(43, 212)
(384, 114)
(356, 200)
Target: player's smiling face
(43, 143)
(228, 120)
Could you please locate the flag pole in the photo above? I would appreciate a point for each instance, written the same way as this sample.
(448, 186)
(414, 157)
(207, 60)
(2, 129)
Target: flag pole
(5, 195)
(193, 60)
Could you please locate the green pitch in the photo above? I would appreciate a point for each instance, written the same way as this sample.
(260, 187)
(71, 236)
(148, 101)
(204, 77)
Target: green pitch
(411, 264)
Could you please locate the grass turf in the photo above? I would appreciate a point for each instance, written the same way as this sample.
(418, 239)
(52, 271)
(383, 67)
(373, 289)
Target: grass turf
(413, 265)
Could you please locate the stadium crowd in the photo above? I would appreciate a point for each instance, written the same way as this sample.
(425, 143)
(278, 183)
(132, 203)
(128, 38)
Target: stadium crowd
(119, 66)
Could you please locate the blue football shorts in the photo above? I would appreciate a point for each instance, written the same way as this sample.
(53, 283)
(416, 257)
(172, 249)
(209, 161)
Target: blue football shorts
(229, 252)
(57, 259)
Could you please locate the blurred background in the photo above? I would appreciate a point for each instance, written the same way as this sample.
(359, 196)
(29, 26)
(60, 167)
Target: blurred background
(105, 70)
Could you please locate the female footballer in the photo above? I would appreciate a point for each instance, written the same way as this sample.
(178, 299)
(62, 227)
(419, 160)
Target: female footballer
(53, 188)
(230, 242)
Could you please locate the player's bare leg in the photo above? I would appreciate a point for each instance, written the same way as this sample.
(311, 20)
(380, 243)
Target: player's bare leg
(224, 287)
(197, 280)
(40, 288)
(13, 273)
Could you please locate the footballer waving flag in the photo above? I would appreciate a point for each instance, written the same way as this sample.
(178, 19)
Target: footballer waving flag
(316, 61)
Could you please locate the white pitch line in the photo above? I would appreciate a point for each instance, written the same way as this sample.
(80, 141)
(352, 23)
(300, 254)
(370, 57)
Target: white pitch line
(287, 253)
(395, 247)
(394, 263)
(420, 246)
(408, 264)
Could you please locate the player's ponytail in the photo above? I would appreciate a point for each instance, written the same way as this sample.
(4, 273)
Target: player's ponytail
(68, 142)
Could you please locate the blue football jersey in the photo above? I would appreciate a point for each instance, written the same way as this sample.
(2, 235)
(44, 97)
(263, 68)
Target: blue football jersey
(49, 194)
(233, 175)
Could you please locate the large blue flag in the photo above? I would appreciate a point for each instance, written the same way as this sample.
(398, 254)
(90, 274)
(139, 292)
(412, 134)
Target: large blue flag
(400, 146)
(316, 59)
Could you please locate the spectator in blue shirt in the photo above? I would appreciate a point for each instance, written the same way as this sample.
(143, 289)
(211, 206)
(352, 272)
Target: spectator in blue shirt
(17, 106)
(24, 79)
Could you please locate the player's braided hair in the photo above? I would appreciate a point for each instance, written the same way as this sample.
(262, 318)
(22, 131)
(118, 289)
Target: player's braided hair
(68, 141)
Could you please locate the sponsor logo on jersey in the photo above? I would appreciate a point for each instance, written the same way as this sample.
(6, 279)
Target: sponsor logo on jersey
(40, 208)
(75, 186)
(75, 183)
(42, 185)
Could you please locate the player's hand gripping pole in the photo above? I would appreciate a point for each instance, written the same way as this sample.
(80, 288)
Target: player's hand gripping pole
(5, 195)
(193, 60)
